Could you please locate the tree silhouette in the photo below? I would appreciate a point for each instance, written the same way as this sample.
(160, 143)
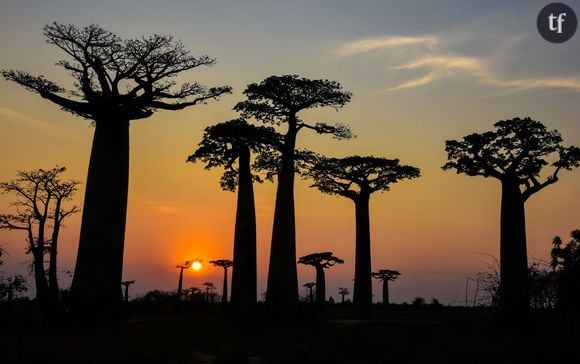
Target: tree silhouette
(223, 145)
(116, 81)
(357, 178)
(310, 286)
(343, 292)
(209, 287)
(126, 285)
(40, 206)
(225, 264)
(515, 154)
(181, 267)
(386, 275)
(279, 100)
(566, 266)
(11, 286)
(320, 261)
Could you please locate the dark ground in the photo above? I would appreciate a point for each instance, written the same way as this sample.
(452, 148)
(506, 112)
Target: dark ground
(397, 334)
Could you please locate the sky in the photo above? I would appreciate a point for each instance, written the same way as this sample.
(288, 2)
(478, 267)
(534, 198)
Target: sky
(421, 72)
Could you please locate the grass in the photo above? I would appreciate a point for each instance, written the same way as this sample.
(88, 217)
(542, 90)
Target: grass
(397, 334)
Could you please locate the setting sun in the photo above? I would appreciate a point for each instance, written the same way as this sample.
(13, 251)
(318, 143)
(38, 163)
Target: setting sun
(196, 265)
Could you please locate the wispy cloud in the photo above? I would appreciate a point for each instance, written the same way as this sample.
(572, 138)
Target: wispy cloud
(371, 44)
(417, 82)
(435, 61)
(444, 62)
(13, 115)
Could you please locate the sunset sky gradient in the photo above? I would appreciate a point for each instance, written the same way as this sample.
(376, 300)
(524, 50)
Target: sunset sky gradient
(421, 72)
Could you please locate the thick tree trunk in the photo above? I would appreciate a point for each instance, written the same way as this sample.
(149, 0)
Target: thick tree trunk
(362, 295)
(180, 284)
(244, 274)
(43, 294)
(386, 292)
(126, 294)
(96, 287)
(52, 267)
(282, 288)
(320, 286)
(225, 292)
(514, 295)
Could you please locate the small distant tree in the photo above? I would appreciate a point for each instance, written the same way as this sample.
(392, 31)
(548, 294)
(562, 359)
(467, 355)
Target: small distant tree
(515, 154)
(357, 178)
(566, 266)
(10, 286)
(435, 302)
(543, 289)
(209, 288)
(225, 264)
(40, 210)
(418, 301)
(343, 292)
(181, 267)
(385, 276)
(116, 81)
(310, 286)
(320, 261)
(280, 100)
(229, 145)
(156, 296)
(126, 285)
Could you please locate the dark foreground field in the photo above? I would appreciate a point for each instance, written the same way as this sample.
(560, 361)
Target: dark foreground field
(398, 334)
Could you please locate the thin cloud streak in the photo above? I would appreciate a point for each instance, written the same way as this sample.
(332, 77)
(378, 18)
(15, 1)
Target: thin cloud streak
(442, 66)
(371, 44)
(15, 116)
(438, 65)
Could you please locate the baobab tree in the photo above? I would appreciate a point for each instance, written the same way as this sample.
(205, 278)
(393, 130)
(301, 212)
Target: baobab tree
(309, 286)
(278, 100)
(385, 276)
(343, 292)
(116, 81)
(181, 267)
(209, 288)
(357, 178)
(40, 210)
(126, 285)
(320, 262)
(225, 264)
(223, 145)
(515, 154)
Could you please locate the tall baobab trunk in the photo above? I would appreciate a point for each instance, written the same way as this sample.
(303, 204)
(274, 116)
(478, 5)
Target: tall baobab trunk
(386, 292)
(225, 292)
(180, 284)
(320, 286)
(244, 272)
(43, 294)
(52, 270)
(362, 295)
(97, 291)
(126, 294)
(514, 295)
(282, 289)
